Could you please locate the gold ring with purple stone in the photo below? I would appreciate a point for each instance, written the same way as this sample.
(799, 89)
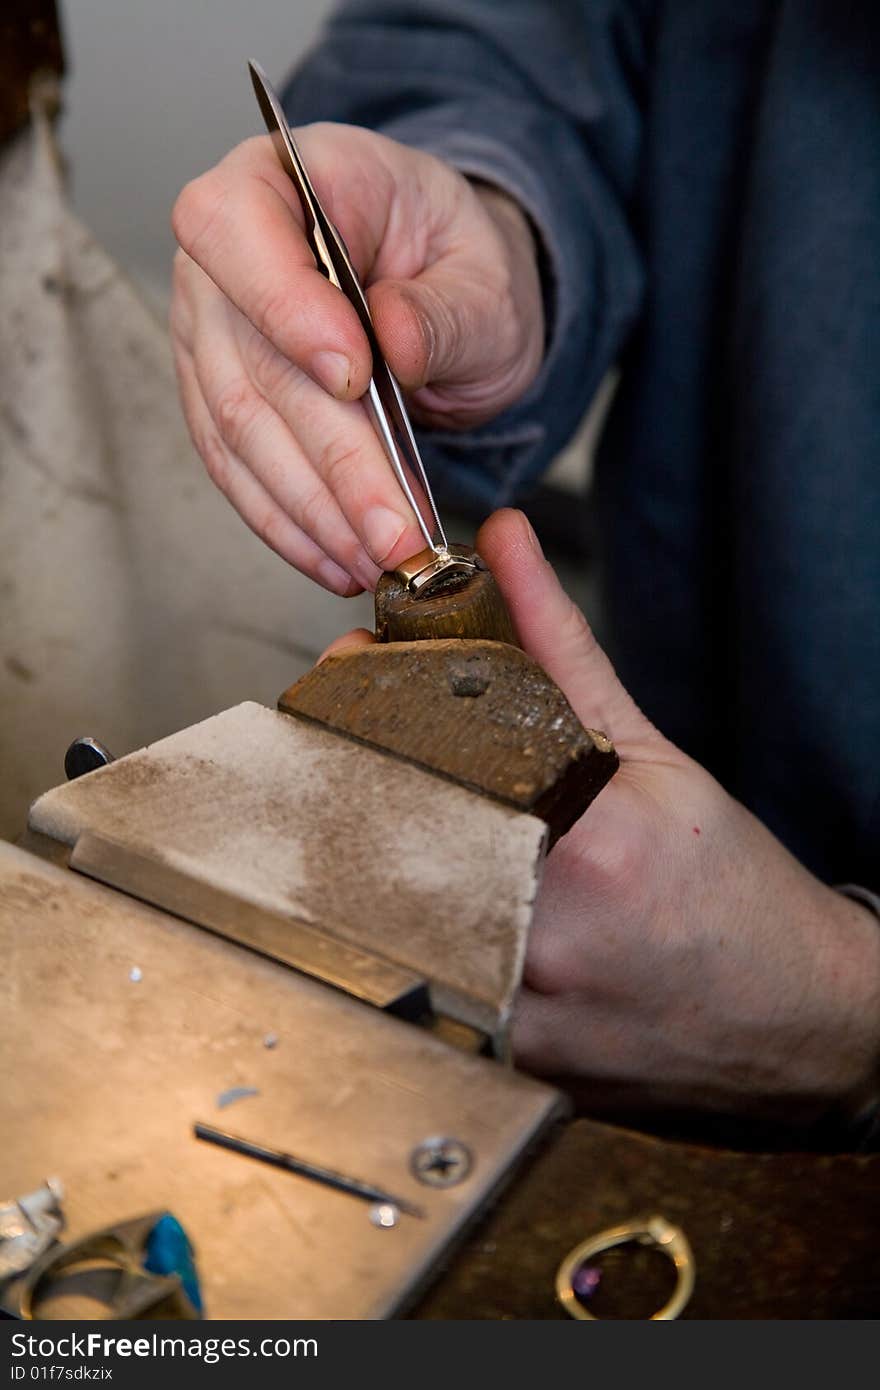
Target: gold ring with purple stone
(577, 1279)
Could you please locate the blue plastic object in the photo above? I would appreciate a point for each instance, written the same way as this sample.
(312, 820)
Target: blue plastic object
(168, 1251)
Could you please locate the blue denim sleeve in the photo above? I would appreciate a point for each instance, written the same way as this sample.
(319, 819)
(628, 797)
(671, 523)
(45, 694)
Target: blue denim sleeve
(543, 100)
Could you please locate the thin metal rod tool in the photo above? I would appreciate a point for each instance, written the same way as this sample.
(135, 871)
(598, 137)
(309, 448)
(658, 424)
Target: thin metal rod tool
(383, 399)
(291, 1164)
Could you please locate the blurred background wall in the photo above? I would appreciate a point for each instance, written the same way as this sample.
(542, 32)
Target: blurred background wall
(157, 92)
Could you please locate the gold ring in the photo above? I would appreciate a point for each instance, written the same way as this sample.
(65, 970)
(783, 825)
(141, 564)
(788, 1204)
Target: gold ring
(653, 1230)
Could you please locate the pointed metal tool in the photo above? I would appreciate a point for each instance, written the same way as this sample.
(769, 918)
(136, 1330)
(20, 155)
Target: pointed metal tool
(383, 398)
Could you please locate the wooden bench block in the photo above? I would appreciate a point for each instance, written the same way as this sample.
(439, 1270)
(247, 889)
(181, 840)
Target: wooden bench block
(481, 713)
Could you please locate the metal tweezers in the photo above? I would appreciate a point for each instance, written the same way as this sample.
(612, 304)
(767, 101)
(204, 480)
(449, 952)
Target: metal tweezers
(383, 399)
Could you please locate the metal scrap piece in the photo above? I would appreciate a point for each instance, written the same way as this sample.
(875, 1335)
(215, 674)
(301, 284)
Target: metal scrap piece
(28, 1226)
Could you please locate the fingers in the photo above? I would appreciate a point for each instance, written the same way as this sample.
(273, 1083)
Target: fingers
(279, 355)
(555, 632)
(343, 449)
(242, 223)
(247, 495)
(319, 459)
(350, 642)
(612, 1053)
(258, 438)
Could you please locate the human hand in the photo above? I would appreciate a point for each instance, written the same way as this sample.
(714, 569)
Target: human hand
(271, 358)
(679, 958)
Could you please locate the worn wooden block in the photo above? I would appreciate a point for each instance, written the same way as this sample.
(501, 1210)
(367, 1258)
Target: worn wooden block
(480, 713)
(281, 815)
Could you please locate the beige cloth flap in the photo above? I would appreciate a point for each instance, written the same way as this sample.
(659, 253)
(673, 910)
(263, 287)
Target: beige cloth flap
(133, 601)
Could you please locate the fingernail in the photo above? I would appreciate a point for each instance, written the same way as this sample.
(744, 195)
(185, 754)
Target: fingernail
(333, 371)
(382, 530)
(336, 578)
(365, 572)
(532, 538)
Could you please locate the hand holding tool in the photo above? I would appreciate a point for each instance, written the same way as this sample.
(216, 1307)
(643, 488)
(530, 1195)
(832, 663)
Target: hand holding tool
(465, 602)
(383, 400)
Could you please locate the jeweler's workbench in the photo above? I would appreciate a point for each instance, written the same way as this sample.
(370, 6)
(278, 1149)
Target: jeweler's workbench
(307, 928)
(122, 1024)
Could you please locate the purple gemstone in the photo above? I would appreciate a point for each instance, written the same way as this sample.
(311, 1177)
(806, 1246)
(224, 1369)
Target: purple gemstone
(586, 1281)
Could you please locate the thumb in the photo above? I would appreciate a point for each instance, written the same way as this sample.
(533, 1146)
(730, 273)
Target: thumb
(555, 633)
(426, 333)
(446, 337)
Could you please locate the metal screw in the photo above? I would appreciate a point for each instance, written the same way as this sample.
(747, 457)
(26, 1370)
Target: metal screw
(441, 1162)
(385, 1215)
(85, 755)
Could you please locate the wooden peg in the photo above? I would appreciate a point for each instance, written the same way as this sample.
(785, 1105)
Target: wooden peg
(459, 605)
(447, 687)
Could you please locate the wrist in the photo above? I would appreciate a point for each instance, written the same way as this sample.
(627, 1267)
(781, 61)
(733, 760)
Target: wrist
(847, 990)
(857, 1112)
(795, 1025)
(527, 258)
